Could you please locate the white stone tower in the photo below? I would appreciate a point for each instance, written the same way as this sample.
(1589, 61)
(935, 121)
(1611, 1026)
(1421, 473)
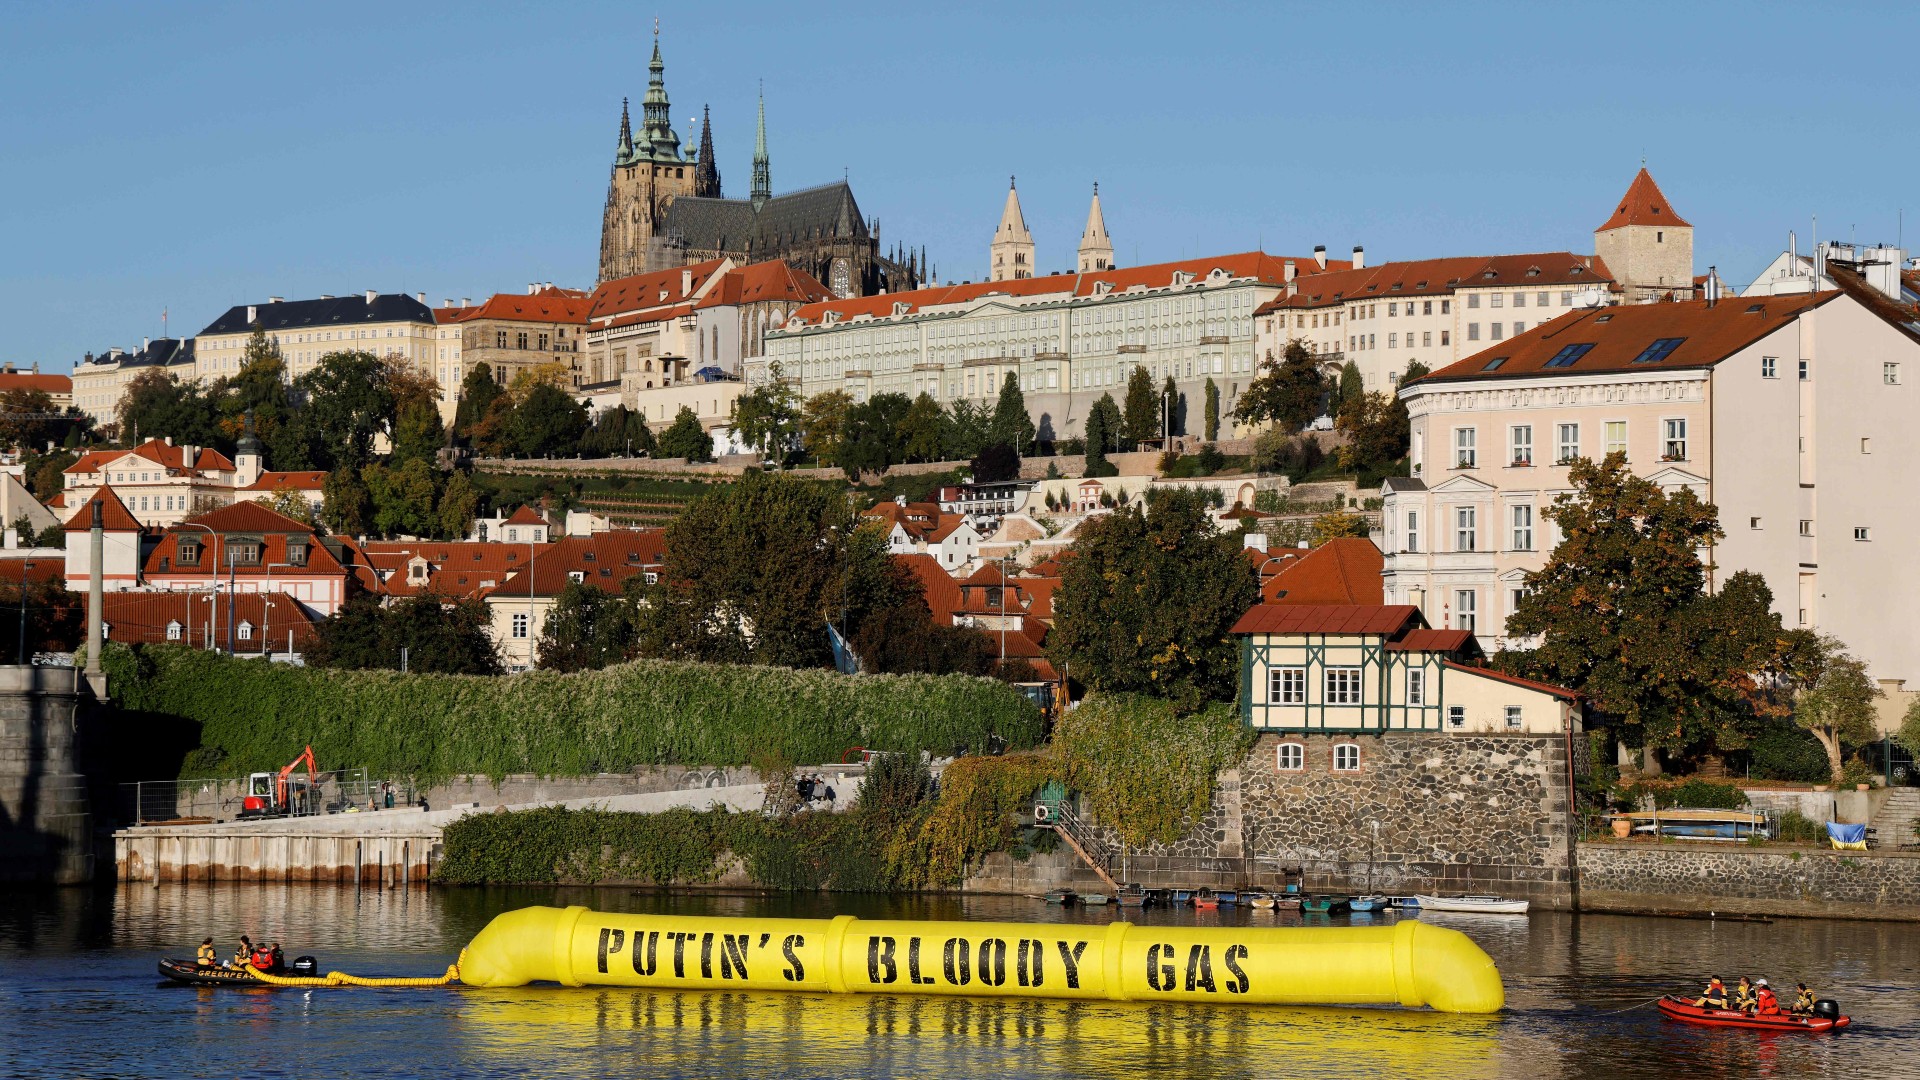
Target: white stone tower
(1647, 247)
(1011, 253)
(1096, 247)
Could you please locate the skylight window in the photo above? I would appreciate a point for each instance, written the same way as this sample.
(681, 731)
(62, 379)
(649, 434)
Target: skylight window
(1565, 357)
(1756, 309)
(1494, 364)
(1659, 350)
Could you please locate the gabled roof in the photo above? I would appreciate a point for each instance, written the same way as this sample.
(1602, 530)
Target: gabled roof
(641, 292)
(1342, 571)
(115, 516)
(1381, 620)
(158, 451)
(144, 616)
(1643, 204)
(1894, 313)
(765, 281)
(33, 380)
(527, 515)
(1440, 277)
(1423, 639)
(709, 224)
(1515, 680)
(555, 306)
(942, 592)
(1708, 332)
(249, 517)
(353, 310)
(301, 480)
(604, 560)
(458, 568)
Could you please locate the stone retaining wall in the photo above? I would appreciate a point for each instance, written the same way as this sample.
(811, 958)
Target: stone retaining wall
(1702, 877)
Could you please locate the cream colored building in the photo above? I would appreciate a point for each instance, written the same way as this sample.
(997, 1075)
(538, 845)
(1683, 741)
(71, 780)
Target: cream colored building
(1011, 253)
(514, 333)
(99, 381)
(657, 330)
(384, 324)
(1792, 414)
(1068, 337)
(159, 483)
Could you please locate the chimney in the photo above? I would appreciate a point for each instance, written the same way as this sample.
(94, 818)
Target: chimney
(1256, 541)
(1290, 271)
(1713, 286)
(1359, 257)
(252, 313)
(686, 282)
(466, 301)
(145, 344)
(326, 296)
(276, 299)
(446, 301)
(370, 295)
(532, 287)
(420, 297)
(1320, 255)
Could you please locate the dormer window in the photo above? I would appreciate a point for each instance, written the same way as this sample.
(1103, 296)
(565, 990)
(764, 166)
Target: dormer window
(189, 552)
(296, 553)
(245, 632)
(243, 551)
(173, 630)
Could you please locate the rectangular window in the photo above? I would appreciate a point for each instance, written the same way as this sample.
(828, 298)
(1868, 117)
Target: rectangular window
(1342, 686)
(1426, 338)
(1494, 300)
(1513, 717)
(1567, 444)
(1287, 686)
(1523, 527)
(1673, 441)
(1393, 309)
(1866, 446)
(520, 625)
(1753, 523)
(1616, 433)
(1519, 299)
(1473, 331)
(1514, 599)
(1290, 757)
(1416, 686)
(1413, 530)
(1860, 533)
(1464, 605)
(1446, 307)
(1519, 328)
(1520, 436)
(1473, 300)
(1806, 526)
(1446, 337)
(1346, 758)
(1890, 374)
(1567, 355)
(1496, 331)
(1456, 716)
(1769, 367)
(1659, 350)
(1804, 373)
(1464, 528)
(1566, 299)
(1466, 455)
(1393, 340)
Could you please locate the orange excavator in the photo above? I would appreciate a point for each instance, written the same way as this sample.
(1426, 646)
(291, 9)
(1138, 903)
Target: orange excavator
(280, 794)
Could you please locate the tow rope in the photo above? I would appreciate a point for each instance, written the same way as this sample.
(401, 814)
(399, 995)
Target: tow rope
(341, 978)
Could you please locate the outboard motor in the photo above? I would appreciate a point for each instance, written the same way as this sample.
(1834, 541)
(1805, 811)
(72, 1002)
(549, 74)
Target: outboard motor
(1827, 1009)
(309, 967)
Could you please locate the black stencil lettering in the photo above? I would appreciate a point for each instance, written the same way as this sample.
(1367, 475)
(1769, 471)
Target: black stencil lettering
(733, 956)
(679, 953)
(956, 956)
(880, 966)
(796, 971)
(1199, 968)
(706, 956)
(1238, 984)
(1070, 959)
(913, 965)
(993, 962)
(1032, 952)
(1160, 973)
(611, 941)
(650, 963)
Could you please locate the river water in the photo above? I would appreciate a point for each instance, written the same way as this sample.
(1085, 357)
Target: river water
(79, 997)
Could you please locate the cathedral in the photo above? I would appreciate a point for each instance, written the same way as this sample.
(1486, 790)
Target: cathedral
(665, 209)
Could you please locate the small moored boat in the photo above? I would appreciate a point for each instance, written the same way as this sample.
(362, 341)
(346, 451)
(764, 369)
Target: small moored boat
(1132, 896)
(1367, 903)
(1324, 905)
(1094, 899)
(1182, 897)
(1061, 896)
(1228, 897)
(1485, 905)
(1206, 898)
(1825, 1017)
(1261, 901)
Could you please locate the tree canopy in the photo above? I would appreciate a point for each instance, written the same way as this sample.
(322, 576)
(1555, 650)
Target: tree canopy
(686, 438)
(587, 628)
(1833, 697)
(1287, 392)
(1103, 428)
(442, 637)
(1010, 424)
(1141, 414)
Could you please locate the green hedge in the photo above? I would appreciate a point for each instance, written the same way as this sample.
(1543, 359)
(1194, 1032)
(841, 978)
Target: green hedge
(256, 716)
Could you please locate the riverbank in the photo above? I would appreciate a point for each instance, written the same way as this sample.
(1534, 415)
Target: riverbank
(1702, 877)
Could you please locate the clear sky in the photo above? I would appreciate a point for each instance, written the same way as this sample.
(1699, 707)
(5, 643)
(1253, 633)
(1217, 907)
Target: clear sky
(190, 156)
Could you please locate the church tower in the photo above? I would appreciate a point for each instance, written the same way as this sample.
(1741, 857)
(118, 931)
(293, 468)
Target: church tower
(1647, 246)
(762, 172)
(1011, 253)
(649, 171)
(706, 176)
(1096, 247)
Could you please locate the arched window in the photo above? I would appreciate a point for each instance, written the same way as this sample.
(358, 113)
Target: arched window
(173, 630)
(1346, 757)
(245, 633)
(1290, 757)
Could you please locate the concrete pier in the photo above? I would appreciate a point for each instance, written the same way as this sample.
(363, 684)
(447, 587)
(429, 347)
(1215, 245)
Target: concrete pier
(46, 815)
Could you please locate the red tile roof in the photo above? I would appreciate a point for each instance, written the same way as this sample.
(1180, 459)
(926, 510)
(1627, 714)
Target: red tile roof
(1254, 264)
(27, 380)
(765, 281)
(557, 306)
(1342, 571)
(454, 568)
(604, 560)
(156, 451)
(657, 289)
(44, 569)
(115, 517)
(1618, 335)
(942, 592)
(1425, 640)
(1497, 676)
(444, 315)
(1643, 204)
(143, 616)
(250, 517)
(1437, 277)
(527, 515)
(304, 480)
(1348, 619)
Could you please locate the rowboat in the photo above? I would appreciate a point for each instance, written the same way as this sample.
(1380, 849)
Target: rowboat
(1826, 1017)
(1261, 901)
(1485, 905)
(1094, 899)
(1324, 905)
(1367, 903)
(1060, 896)
(1132, 896)
(1206, 898)
(1285, 903)
(1697, 824)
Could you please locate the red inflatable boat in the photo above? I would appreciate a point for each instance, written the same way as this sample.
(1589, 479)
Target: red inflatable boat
(1826, 1017)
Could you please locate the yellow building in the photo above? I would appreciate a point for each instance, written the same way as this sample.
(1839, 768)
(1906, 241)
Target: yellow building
(384, 324)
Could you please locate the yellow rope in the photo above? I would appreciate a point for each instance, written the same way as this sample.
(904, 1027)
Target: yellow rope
(341, 978)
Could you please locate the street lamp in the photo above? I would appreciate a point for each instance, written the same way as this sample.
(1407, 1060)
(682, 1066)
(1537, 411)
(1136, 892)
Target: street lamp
(266, 606)
(213, 585)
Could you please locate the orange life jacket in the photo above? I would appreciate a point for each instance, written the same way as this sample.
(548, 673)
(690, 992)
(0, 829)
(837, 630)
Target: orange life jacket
(1767, 1002)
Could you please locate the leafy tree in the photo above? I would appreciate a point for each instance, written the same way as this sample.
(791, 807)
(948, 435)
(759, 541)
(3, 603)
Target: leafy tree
(418, 434)
(874, 435)
(458, 504)
(1148, 601)
(686, 438)
(618, 432)
(767, 417)
(923, 430)
(346, 504)
(1287, 393)
(968, 429)
(1622, 614)
(294, 504)
(1340, 524)
(47, 475)
(1832, 696)
(258, 388)
(1352, 387)
(755, 570)
(402, 497)
(996, 464)
(407, 386)
(588, 628)
(440, 636)
(156, 404)
(346, 402)
(1212, 429)
(904, 638)
(55, 618)
(1909, 735)
(823, 424)
(492, 433)
(477, 391)
(1103, 429)
(549, 422)
(1142, 410)
(1010, 424)
(29, 421)
(1377, 429)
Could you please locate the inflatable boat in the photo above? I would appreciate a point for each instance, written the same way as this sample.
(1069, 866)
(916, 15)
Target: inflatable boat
(1826, 1016)
(187, 971)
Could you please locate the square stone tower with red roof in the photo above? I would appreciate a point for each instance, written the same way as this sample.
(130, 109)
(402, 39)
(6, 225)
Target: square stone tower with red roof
(1648, 247)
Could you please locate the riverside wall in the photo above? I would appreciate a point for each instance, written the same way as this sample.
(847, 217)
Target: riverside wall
(1700, 877)
(1424, 813)
(46, 794)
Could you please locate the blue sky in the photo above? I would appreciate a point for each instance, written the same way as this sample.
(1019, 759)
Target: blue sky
(192, 156)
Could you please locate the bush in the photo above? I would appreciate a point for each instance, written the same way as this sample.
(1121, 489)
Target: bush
(1692, 793)
(645, 712)
(1783, 750)
(1797, 828)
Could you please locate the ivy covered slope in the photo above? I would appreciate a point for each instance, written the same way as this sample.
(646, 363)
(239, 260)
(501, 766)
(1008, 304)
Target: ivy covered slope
(255, 716)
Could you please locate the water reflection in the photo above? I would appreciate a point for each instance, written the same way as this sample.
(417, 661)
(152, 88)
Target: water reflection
(74, 963)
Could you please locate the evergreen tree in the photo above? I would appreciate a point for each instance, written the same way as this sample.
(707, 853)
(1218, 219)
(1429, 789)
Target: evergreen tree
(1213, 411)
(1142, 410)
(968, 429)
(458, 504)
(687, 438)
(548, 422)
(477, 392)
(1175, 413)
(1352, 386)
(1103, 429)
(1010, 424)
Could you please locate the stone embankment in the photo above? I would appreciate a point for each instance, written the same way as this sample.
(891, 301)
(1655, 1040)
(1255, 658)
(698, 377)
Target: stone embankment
(1700, 877)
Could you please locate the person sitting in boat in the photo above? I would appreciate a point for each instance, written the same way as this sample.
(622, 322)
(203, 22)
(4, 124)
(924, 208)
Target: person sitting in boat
(262, 958)
(245, 953)
(277, 958)
(207, 957)
(1716, 995)
(1764, 1001)
(1803, 1002)
(1743, 995)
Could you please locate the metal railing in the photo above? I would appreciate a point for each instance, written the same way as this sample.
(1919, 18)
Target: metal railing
(156, 802)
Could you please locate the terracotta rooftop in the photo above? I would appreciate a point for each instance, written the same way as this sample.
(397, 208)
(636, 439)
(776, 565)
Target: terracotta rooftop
(765, 281)
(1643, 204)
(1342, 571)
(604, 560)
(942, 592)
(115, 517)
(1378, 620)
(1439, 277)
(527, 515)
(157, 451)
(28, 380)
(136, 617)
(543, 307)
(660, 288)
(303, 480)
(249, 517)
(1499, 676)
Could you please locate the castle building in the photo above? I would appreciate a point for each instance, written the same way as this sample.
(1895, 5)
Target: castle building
(665, 209)
(1647, 244)
(1011, 252)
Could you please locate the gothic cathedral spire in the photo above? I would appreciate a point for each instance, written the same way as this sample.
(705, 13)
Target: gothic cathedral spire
(1096, 247)
(706, 175)
(1012, 249)
(624, 151)
(762, 174)
(658, 139)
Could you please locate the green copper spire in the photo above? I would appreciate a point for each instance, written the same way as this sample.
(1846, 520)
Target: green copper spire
(658, 140)
(762, 178)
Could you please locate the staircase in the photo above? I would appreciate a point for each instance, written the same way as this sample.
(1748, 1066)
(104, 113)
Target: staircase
(1084, 843)
(1894, 822)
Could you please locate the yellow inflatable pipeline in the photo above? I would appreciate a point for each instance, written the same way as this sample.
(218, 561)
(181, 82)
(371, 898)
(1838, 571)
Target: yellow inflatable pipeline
(1409, 963)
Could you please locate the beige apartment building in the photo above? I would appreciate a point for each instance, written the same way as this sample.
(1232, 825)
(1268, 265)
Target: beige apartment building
(1792, 414)
(512, 333)
(159, 483)
(384, 324)
(100, 380)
